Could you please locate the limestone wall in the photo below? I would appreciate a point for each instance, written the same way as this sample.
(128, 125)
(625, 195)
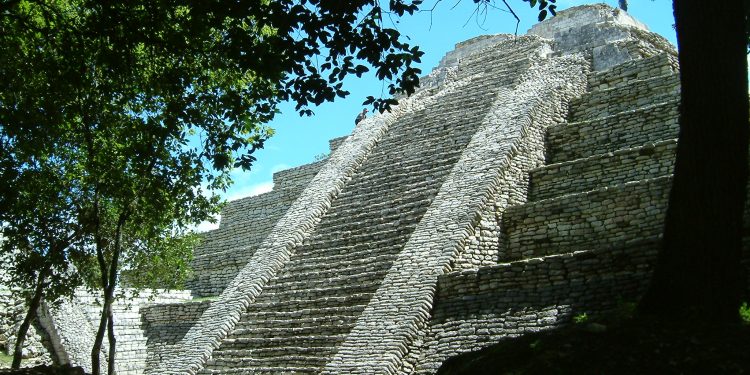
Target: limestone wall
(637, 127)
(12, 312)
(244, 224)
(165, 325)
(622, 74)
(476, 308)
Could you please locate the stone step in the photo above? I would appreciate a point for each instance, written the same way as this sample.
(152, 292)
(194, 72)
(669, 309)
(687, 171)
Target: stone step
(613, 214)
(251, 364)
(631, 164)
(279, 355)
(603, 103)
(309, 299)
(654, 123)
(243, 343)
(249, 321)
(332, 328)
(339, 261)
(365, 282)
(315, 294)
(292, 281)
(633, 70)
(333, 278)
(210, 370)
(386, 238)
(257, 315)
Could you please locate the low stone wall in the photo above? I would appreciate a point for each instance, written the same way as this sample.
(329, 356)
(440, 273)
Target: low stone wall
(634, 70)
(476, 308)
(607, 102)
(633, 128)
(165, 325)
(598, 171)
(129, 331)
(589, 220)
(12, 312)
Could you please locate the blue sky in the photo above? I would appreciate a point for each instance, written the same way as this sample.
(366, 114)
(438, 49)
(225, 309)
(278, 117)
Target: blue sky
(299, 139)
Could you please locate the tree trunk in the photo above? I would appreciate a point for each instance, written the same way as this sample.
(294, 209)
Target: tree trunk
(112, 342)
(109, 282)
(96, 350)
(36, 300)
(698, 272)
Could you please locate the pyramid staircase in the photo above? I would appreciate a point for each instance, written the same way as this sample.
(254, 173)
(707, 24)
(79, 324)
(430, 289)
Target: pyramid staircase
(304, 313)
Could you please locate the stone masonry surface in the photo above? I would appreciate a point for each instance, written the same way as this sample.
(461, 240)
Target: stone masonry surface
(509, 142)
(166, 324)
(335, 272)
(12, 311)
(476, 308)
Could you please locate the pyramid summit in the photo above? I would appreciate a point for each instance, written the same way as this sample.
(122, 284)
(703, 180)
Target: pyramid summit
(524, 183)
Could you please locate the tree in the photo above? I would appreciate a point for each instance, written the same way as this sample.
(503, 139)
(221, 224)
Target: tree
(39, 193)
(699, 271)
(157, 101)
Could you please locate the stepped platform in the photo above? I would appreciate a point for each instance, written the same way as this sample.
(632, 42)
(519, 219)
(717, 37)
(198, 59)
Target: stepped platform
(640, 93)
(598, 171)
(627, 129)
(477, 308)
(634, 70)
(567, 223)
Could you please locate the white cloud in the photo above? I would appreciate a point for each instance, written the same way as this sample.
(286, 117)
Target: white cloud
(250, 190)
(207, 225)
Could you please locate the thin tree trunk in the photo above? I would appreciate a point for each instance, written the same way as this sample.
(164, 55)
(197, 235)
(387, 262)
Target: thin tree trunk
(96, 350)
(698, 272)
(30, 315)
(109, 280)
(112, 342)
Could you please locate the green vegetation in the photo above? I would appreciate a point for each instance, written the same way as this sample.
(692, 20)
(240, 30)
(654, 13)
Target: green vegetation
(581, 318)
(119, 121)
(5, 360)
(745, 313)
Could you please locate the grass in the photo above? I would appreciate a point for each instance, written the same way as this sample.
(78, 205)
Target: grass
(5, 360)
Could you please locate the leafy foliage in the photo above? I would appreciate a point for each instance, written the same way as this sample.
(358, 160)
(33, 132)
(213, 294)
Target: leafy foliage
(545, 7)
(116, 118)
(745, 313)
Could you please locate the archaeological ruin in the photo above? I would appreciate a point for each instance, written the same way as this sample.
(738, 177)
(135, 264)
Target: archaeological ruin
(524, 183)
